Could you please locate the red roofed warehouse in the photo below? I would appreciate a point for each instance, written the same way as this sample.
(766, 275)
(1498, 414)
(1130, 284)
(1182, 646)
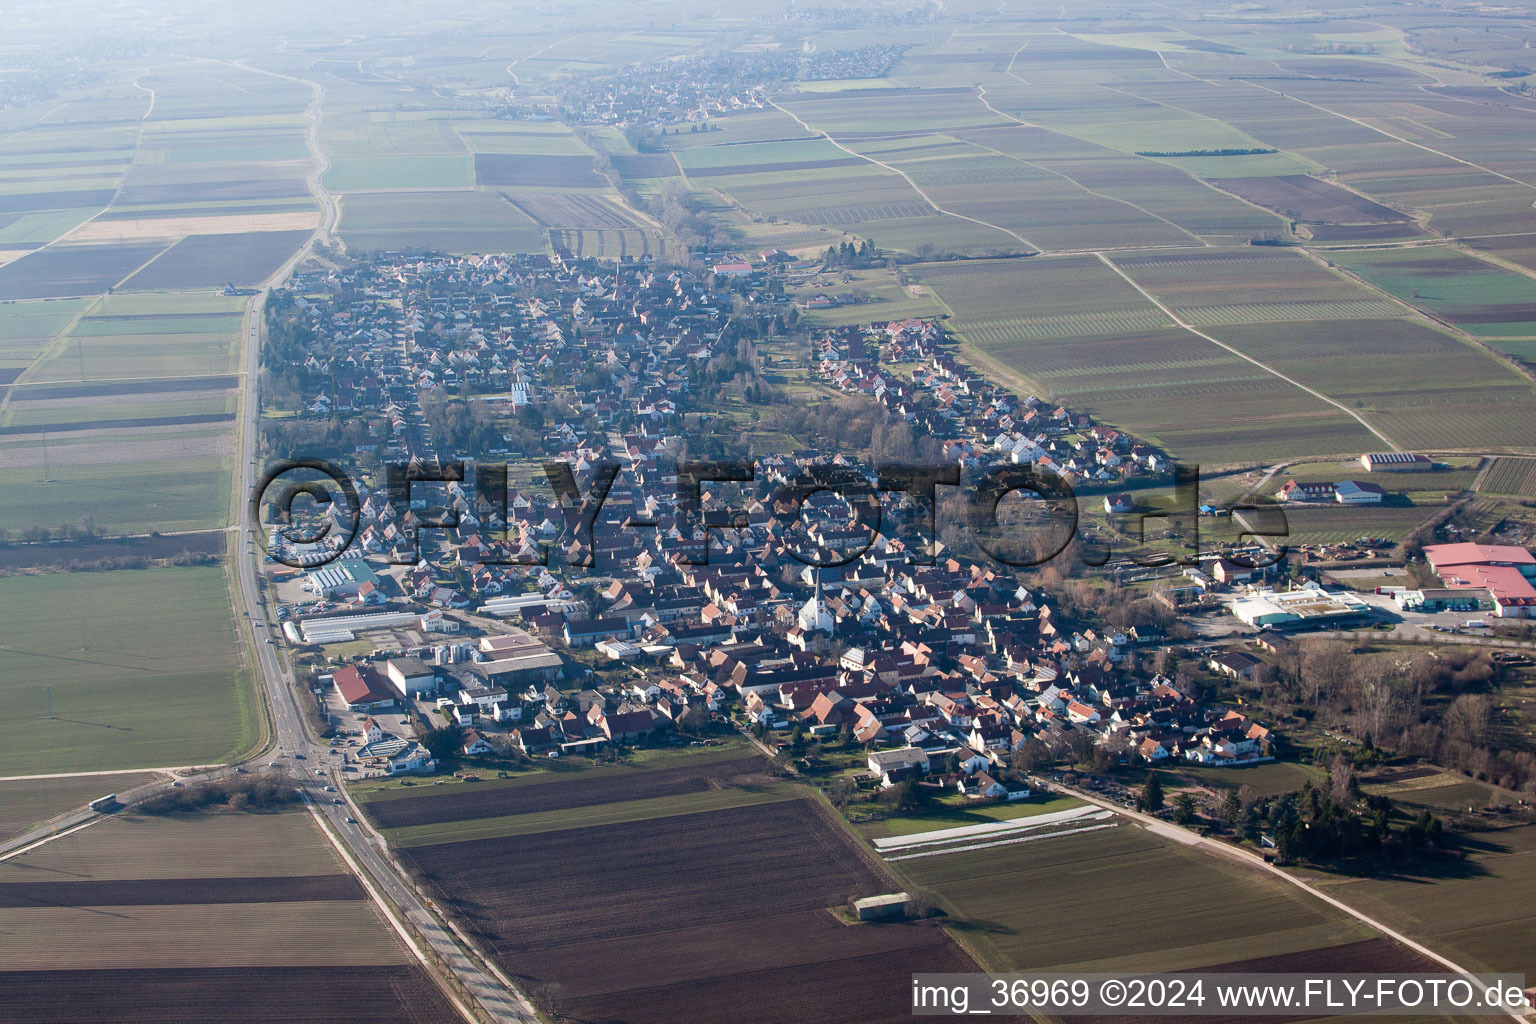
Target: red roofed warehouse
(1505, 571)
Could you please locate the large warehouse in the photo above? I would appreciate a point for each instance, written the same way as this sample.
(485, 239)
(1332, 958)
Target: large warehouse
(1298, 609)
(1505, 572)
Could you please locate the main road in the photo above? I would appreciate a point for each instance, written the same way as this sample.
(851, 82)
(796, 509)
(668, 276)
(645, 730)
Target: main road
(496, 997)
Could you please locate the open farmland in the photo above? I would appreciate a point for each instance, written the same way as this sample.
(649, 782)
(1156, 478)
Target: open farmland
(1482, 299)
(25, 802)
(1070, 327)
(153, 677)
(206, 261)
(1050, 905)
(189, 912)
(551, 907)
(224, 995)
(454, 222)
(166, 478)
(553, 792)
(1310, 200)
(394, 150)
(74, 269)
(1462, 907)
(1511, 476)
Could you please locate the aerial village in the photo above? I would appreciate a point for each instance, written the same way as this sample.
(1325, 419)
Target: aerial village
(547, 627)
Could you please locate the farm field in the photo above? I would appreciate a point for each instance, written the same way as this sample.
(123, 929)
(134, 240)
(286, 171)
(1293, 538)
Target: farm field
(188, 912)
(477, 221)
(1071, 328)
(74, 270)
(716, 940)
(152, 677)
(1512, 476)
(25, 802)
(208, 261)
(555, 792)
(1488, 301)
(998, 905)
(1463, 909)
(225, 995)
(166, 478)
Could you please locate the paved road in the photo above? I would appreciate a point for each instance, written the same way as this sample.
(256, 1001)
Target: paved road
(496, 996)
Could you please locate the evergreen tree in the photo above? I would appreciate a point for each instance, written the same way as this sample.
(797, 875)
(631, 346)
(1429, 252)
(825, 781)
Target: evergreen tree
(1152, 794)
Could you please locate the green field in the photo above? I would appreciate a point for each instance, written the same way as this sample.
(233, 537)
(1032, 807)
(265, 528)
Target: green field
(456, 222)
(142, 667)
(1483, 299)
(549, 772)
(1078, 902)
(166, 480)
(1471, 909)
(399, 172)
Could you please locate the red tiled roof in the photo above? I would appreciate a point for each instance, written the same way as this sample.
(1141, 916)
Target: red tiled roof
(362, 685)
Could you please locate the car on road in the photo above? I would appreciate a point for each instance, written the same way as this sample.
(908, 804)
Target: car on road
(330, 789)
(176, 784)
(351, 820)
(239, 771)
(271, 764)
(320, 772)
(338, 800)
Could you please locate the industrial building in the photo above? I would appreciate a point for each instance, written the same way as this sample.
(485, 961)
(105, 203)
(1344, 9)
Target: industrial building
(1506, 572)
(1298, 609)
(348, 578)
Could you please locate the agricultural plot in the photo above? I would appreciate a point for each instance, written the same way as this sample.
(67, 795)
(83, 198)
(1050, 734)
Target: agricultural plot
(394, 150)
(74, 269)
(1462, 908)
(1325, 525)
(163, 478)
(1310, 200)
(1420, 387)
(85, 357)
(454, 222)
(996, 899)
(852, 114)
(25, 802)
(1511, 476)
(717, 941)
(1072, 328)
(147, 410)
(397, 994)
(154, 677)
(204, 261)
(169, 184)
(191, 914)
(536, 170)
(549, 906)
(555, 792)
(1485, 300)
(27, 327)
